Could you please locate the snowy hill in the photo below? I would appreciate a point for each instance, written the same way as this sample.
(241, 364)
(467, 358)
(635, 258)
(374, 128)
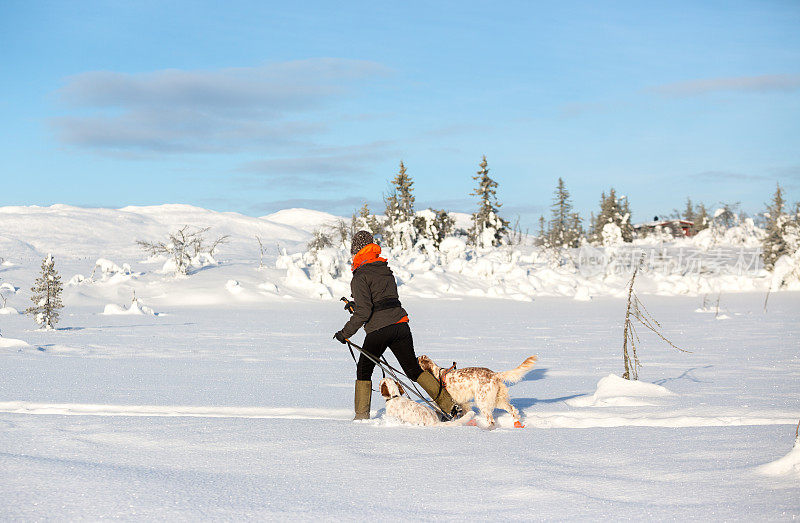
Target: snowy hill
(304, 219)
(77, 232)
(79, 237)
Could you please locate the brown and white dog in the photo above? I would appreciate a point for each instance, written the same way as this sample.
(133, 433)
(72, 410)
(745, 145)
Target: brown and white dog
(409, 411)
(486, 387)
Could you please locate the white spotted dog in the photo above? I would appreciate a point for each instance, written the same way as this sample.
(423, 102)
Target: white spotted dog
(486, 387)
(409, 411)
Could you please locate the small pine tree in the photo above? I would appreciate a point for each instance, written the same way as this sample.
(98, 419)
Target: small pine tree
(615, 211)
(701, 219)
(434, 225)
(46, 296)
(488, 229)
(774, 245)
(400, 202)
(566, 228)
(576, 229)
(688, 213)
(369, 221)
(542, 239)
(400, 232)
(597, 226)
(625, 223)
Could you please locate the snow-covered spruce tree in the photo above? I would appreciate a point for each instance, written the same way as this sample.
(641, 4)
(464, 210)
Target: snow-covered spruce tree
(782, 230)
(541, 239)
(370, 222)
(565, 228)
(726, 216)
(488, 229)
(46, 295)
(688, 212)
(701, 219)
(614, 214)
(399, 231)
(434, 225)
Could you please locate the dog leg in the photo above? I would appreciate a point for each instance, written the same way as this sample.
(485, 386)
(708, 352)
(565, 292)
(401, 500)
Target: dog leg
(485, 400)
(504, 403)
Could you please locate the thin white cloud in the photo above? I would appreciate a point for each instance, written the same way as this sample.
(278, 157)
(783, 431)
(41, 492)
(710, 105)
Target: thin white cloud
(206, 111)
(754, 84)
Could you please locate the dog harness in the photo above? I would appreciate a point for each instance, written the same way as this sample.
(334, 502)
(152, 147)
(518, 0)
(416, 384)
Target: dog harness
(443, 374)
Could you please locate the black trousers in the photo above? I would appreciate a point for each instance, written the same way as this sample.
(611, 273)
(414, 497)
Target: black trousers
(396, 337)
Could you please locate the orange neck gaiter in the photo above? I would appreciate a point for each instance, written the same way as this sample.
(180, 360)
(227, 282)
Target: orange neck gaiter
(368, 254)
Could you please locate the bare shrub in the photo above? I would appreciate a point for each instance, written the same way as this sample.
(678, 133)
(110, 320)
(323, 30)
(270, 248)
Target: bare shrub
(637, 311)
(183, 246)
(321, 239)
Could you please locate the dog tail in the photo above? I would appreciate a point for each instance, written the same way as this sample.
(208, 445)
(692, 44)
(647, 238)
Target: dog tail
(514, 375)
(463, 420)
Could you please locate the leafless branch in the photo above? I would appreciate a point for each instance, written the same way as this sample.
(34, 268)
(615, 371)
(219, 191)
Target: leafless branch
(180, 244)
(636, 310)
(261, 252)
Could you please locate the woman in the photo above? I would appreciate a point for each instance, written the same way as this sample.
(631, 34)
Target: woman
(377, 307)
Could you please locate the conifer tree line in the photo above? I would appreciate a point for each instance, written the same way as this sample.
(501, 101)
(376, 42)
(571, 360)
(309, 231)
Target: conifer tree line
(613, 223)
(402, 227)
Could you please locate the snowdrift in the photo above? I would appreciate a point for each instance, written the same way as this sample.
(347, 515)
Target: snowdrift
(614, 391)
(135, 309)
(787, 466)
(11, 343)
(523, 272)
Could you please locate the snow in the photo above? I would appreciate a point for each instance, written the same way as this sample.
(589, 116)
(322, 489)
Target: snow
(615, 391)
(303, 219)
(236, 403)
(788, 465)
(11, 343)
(135, 308)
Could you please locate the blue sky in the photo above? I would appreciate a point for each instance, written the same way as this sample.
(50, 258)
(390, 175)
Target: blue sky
(257, 106)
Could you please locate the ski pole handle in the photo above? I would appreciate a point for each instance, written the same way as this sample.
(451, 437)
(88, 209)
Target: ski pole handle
(349, 306)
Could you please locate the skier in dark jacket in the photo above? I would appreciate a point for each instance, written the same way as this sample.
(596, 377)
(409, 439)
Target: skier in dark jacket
(377, 308)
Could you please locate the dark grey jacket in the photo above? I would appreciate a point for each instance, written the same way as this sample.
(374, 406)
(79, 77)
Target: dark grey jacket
(372, 282)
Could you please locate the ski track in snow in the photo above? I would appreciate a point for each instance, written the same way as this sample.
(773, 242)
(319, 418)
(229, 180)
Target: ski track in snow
(540, 420)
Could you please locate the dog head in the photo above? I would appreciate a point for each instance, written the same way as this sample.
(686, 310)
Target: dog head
(390, 388)
(428, 365)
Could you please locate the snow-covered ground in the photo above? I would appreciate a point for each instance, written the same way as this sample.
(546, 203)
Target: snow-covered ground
(234, 402)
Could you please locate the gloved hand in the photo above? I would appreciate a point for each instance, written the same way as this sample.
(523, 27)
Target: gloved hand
(339, 336)
(350, 306)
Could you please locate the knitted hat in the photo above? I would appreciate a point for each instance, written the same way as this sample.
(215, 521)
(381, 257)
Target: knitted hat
(360, 240)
